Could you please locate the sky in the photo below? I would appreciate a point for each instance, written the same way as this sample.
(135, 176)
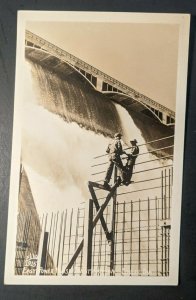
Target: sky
(143, 56)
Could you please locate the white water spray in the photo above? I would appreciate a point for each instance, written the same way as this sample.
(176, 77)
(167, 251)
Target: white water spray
(57, 155)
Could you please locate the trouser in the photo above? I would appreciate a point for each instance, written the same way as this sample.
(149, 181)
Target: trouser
(129, 169)
(114, 162)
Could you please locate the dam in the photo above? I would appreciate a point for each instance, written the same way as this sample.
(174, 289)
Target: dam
(78, 110)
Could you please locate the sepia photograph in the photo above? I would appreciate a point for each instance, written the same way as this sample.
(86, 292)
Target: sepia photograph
(97, 150)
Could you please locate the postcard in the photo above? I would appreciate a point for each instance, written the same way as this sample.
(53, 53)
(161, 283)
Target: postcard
(97, 153)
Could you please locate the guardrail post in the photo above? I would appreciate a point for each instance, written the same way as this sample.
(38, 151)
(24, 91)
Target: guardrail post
(88, 234)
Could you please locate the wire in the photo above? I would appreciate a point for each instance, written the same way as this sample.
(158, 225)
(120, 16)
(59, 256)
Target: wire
(143, 162)
(141, 190)
(150, 142)
(146, 170)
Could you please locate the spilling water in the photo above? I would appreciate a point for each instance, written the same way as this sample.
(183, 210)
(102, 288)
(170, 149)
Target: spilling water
(65, 124)
(57, 155)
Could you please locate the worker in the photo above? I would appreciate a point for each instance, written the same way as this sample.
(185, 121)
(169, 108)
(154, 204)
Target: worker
(115, 151)
(128, 169)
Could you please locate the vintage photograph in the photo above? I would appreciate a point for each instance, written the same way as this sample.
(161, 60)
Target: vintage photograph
(97, 156)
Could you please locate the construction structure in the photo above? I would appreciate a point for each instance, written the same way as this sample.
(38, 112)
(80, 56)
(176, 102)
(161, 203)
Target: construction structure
(124, 231)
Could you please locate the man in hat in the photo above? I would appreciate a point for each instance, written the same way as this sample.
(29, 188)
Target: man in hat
(114, 150)
(130, 162)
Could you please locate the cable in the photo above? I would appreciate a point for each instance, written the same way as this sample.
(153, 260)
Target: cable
(150, 142)
(146, 170)
(143, 162)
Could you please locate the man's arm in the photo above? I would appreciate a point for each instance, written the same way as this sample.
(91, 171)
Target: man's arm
(120, 148)
(108, 149)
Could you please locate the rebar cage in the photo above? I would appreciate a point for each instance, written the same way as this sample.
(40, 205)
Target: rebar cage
(121, 232)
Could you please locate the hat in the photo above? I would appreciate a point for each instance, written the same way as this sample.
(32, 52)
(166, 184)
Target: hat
(118, 134)
(133, 141)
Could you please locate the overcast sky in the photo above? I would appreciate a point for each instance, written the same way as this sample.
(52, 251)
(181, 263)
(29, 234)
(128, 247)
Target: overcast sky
(143, 56)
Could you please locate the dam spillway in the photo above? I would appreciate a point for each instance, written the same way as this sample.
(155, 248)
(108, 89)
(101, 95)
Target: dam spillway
(67, 107)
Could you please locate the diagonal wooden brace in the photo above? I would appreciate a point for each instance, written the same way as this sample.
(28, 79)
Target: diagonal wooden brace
(95, 220)
(98, 185)
(94, 197)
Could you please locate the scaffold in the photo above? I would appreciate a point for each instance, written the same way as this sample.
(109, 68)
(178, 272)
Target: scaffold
(124, 231)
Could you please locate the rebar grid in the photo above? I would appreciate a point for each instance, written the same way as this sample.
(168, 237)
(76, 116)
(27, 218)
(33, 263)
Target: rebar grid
(131, 237)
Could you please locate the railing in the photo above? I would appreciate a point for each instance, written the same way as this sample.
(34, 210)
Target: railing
(141, 245)
(73, 60)
(126, 233)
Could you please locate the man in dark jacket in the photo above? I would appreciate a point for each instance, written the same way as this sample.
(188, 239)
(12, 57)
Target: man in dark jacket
(130, 162)
(114, 150)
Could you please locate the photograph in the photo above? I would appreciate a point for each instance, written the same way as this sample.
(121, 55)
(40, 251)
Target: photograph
(97, 148)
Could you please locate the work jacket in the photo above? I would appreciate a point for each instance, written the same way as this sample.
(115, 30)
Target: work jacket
(133, 155)
(134, 151)
(115, 150)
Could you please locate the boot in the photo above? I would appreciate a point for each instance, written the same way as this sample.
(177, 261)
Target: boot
(107, 186)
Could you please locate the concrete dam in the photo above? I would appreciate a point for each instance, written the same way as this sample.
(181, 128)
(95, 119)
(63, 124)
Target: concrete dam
(76, 110)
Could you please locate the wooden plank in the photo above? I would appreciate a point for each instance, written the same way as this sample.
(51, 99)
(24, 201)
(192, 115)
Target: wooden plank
(97, 206)
(95, 220)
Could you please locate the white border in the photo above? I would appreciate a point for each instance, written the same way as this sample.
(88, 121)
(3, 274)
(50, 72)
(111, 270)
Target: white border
(184, 21)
